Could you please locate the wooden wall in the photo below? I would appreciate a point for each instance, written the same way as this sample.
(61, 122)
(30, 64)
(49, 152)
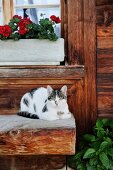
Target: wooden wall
(104, 13)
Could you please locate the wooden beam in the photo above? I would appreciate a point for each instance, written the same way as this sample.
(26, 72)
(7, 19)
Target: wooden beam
(75, 31)
(39, 162)
(67, 72)
(90, 63)
(23, 136)
(8, 10)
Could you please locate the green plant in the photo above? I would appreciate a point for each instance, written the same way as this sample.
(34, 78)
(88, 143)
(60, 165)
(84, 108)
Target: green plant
(95, 152)
(24, 28)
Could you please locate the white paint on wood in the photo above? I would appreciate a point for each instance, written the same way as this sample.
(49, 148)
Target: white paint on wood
(13, 122)
(27, 51)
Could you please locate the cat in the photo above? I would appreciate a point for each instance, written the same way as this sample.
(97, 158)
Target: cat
(45, 103)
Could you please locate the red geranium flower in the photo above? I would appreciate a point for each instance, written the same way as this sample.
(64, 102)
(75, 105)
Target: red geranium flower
(17, 16)
(22, 31)
(5, 30)
(53, 17)
(57, 20)
(24, 22)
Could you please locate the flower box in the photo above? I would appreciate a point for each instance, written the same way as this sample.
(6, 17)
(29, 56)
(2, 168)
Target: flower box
(31, 52)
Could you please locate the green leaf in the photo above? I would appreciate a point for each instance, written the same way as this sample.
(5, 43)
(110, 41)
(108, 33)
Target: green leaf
(89, 153)
(101, 133)
(99, 123)
(109, 140)
(110, 152)
(78, 155)
(103, 145)
(89, 137)
(93, 161)
(90, 167)
(104, 160)
(81, 167)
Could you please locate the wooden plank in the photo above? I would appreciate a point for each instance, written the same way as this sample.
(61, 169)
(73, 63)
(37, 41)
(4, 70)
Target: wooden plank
(103, 44)
(103, 31)
(105, 101)
(90, 103)
(68, 72)
(8, 10)
(37, 162)
(64, 25)
(105, 114)
(104, 61)
(103, 2)
(105, 79)
(23, 136)
(104, 15)
(75, 31)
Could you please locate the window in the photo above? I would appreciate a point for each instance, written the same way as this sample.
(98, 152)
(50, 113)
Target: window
(32, 9)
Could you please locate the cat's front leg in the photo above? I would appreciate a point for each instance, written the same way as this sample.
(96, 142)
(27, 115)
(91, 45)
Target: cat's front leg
(66, 115)
(49, 116)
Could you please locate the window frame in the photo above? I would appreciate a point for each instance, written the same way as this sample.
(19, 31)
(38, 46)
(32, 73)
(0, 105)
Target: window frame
(8, 8)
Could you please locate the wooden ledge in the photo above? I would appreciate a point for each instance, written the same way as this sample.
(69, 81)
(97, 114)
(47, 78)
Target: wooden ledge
(23, 136)
(42, 72)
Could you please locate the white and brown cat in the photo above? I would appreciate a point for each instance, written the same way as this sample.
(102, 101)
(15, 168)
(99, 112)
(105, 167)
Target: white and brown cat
(45, 103)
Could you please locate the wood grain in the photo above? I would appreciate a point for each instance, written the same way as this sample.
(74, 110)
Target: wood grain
(23, 136)
(75, 31)
(43, 72)
(33, 162)
(104, 2)
(105, 61)
(104, 12)
(90, 103)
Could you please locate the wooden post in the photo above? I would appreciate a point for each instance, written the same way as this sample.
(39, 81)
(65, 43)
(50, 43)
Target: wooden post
(8, 10)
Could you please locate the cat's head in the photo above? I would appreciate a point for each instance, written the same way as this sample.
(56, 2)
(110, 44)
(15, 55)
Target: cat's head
(57, 97)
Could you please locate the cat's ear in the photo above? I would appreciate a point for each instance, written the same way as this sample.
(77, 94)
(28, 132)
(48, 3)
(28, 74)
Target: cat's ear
(49, 89)
(64, 90)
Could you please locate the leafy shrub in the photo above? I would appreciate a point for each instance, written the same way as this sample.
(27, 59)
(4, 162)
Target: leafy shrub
(95, 152)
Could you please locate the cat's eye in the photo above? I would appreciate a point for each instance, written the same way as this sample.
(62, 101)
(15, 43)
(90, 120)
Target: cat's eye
(62, 97)
(49, 98)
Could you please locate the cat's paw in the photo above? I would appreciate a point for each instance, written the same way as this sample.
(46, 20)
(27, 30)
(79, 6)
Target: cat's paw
(66, 116)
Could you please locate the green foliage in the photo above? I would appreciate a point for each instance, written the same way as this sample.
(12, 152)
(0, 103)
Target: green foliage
(95, 152)
(24, 28)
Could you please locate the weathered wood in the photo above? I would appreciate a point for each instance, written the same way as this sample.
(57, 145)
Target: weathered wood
(33, 162)
(23, 136)
(67, 72)
(103, 31)
(105, 61)
(89, 105)
(75, 31)
(103, 44)
(64, 25)
(104, 16)
(104, 12)
(104, 2)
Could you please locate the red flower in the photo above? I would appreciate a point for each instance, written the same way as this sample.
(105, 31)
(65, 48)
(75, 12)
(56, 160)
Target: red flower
(57, 20)
(5, 30)
(23, 31)
(17, 16)
(24, 22)
(53, 17)
(1, 29)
